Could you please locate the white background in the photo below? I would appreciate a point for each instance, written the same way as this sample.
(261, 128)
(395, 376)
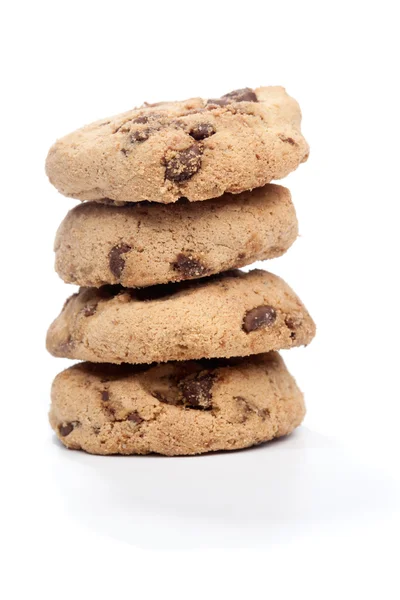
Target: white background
(316, 515)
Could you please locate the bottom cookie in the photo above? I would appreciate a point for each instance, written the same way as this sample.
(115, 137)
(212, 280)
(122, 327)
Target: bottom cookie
(176, 408)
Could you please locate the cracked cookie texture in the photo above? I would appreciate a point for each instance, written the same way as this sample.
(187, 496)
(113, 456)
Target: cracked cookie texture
(231, 314)
(196, 148)
(143, 244)
(174, 409)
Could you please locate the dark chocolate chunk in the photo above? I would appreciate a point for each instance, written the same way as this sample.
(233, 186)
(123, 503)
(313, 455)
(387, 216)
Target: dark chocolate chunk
(289, 322)
(189, 267)
(65, 429)
(140, 120)
(264, 413)
(243, 95)
(217, 102)
(249, 407)
(196, 391)
(261, 316)
(244, 408)
(202, 131)
(140, 135)
(134, 417)
(183, 164)
(287, 140)
(105, 395)
(293, 322)
(116, 260)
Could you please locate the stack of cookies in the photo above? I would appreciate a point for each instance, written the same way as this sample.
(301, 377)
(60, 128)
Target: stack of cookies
(181, 346)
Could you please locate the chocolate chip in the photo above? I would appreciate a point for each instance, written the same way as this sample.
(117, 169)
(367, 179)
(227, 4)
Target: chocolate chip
(188, 266)
(261, 316)
(88, 311)
(105, 395)
(140, 135)
(290, 323)
(249, 407)
(196, 391)
(243, 95)
(202, 131)
(65, 429)
(218, 102)
(244, 408)
(183, 164)
(264, 413)
(134, 417)
(288, 140)
(123, 127)
(140, 120)
(293, 323)
(116, 260)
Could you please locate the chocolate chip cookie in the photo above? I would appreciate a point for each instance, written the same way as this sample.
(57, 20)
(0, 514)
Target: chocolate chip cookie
(232, 314)
(175, 408)
(144, 244)
(197, 148)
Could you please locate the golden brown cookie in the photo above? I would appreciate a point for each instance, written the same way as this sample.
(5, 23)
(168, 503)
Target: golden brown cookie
(145, 243)
(232, 314)
(175, 408)
(197, 148)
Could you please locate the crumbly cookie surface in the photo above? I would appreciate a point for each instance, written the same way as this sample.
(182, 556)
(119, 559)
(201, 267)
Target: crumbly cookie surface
(197, 148)
(232, 314)
(176, 408)
(144, 244)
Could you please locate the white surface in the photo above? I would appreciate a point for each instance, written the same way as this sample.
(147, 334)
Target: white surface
(316, 515)
(243, 499)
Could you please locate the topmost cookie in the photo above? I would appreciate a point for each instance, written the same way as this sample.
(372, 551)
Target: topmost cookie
(197, 148)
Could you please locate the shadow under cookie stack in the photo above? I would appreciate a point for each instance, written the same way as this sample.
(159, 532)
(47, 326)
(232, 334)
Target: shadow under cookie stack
(181, 347)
